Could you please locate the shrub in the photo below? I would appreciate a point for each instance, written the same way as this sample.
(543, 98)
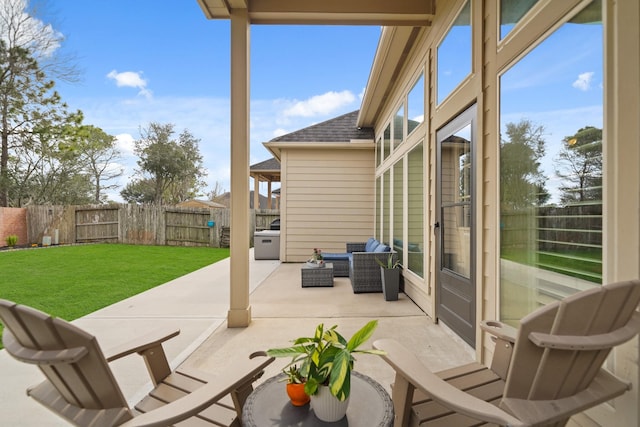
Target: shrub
(11, 240)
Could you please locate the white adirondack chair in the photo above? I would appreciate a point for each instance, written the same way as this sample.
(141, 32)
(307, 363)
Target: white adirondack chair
(80, 386)
(544, 372)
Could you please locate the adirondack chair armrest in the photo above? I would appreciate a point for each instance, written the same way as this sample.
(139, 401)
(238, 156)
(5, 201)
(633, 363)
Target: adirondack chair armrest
(409, 369)
(504, 337)
(141, 343)
(589, 342)
(604, 387)
(236, 378)
(499, 330)
(148, 346)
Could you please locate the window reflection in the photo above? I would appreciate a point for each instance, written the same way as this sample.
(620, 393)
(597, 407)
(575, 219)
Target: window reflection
(398, 127)
(551, 119)
(511, 11)
(415, 105)
(398, 190)
(386, 142)
(454, 54)
(378, 207)
(386, 207)
(455, 181)
(415, 208)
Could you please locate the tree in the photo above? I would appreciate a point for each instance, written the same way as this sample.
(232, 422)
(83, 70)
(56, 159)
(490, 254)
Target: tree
(172, 167)
(216, 191)
(522, 181)
(100, 154)
(139, 191)
(32, 114)
(49, 170)
(580, 164)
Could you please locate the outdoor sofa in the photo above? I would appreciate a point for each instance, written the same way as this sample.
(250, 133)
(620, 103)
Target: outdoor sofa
(360, 265)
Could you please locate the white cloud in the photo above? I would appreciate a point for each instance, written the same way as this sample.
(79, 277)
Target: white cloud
(131, 79)
(125, 144)
(320, 104)
(32, 33)
(584, 81)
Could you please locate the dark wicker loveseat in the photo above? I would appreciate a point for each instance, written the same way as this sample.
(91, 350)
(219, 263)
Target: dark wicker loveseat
(359, 263)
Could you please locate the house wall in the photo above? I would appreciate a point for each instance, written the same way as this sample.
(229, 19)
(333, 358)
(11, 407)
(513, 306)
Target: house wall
(621, 253)
(327, 200)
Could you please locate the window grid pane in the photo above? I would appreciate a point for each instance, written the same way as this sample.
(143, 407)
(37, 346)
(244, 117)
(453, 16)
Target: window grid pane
(551, 169)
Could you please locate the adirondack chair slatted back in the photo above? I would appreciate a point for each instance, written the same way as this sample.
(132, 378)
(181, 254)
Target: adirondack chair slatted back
(538, 373)
(34, 337)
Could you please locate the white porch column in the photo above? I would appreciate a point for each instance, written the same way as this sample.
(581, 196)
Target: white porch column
(621, 252)
(240, 311)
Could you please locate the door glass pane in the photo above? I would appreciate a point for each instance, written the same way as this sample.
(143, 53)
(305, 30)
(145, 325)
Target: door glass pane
(455, 193)
(415, 208)
(415, 105)
(398, 199)
(454, 54)
(551, 120)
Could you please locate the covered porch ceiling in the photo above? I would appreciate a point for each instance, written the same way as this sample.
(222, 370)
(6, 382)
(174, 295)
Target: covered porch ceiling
(400, 14)
(326, 12)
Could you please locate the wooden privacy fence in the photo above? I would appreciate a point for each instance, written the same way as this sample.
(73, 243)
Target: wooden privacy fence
(137, 224)
(566, 239)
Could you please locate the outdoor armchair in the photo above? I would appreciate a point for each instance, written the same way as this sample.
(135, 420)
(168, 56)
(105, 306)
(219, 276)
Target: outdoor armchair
(81, 388)
(544, 372)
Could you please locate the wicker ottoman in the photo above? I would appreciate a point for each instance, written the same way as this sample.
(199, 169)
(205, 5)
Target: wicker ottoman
(313, 277)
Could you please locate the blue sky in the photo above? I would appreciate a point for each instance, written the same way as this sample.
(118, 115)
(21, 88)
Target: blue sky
(558, 85)
(163, 61)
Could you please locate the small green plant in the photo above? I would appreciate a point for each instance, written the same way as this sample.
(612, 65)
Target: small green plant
(293, 375)
(389, 262)
(327, 358)
(11, 240)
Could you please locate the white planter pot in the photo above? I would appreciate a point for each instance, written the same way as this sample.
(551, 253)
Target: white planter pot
(314, 264)
(327, 407)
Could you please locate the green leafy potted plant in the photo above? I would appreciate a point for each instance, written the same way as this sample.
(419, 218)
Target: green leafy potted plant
(390, 275)
(295, 386)
(326, 361)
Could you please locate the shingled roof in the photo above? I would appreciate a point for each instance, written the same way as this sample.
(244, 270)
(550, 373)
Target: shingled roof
(268, 170)
(267, 165)
(340, 129)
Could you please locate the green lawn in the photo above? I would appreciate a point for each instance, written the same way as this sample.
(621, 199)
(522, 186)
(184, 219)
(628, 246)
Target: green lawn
(585, 264)
(73, 281)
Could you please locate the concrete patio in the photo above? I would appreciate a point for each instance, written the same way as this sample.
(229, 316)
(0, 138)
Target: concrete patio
(197, 304)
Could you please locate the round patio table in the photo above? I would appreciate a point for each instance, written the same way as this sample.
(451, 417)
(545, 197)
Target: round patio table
(269, 406)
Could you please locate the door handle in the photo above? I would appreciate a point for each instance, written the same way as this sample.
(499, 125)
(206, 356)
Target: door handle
(436, 226)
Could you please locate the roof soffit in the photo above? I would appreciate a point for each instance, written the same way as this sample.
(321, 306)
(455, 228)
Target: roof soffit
(391, 55)
(339, 12)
